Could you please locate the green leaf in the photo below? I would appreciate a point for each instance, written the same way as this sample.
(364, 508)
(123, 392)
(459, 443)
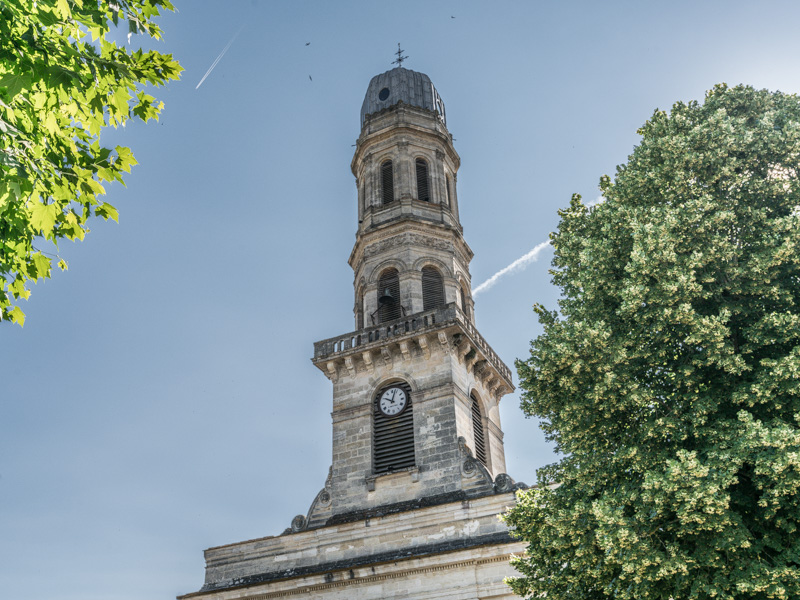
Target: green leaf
(15, 83)
(62, 9)
(17, 316)
(107, 211)
(43, 216)
(125, 158)
(42, 266)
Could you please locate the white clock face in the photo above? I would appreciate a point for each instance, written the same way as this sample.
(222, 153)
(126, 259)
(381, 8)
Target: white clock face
(393, 401)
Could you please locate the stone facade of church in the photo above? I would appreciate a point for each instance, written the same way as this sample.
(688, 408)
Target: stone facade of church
(409, 509)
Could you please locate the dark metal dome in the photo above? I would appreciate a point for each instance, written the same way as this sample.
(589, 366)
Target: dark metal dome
(401, 85)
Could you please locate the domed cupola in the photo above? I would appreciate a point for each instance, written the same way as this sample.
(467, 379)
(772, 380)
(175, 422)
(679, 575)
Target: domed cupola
(401, 85)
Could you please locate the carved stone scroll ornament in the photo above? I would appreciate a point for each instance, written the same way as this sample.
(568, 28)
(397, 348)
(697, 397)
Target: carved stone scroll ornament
(387, 357)
(423, 345)
(470, 359)
(462, 350)
(348, 362)
(299, 523)
(503, 483)
(444, 342)
(469, 467)
(367, 356)
(325, 498)
(480, 370)
(405, 351)
(333, 372)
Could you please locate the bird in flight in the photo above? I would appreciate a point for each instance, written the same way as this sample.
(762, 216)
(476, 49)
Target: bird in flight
(309, 43)
(309, 78)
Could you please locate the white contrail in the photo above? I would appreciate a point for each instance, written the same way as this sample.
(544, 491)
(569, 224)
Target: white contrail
(221, 54)
(517, 265)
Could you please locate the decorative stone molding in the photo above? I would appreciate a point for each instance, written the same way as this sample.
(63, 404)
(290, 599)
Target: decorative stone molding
(405, 351)
(333, 372)
(501, 391)
(480, 370)
(462, 349)
(503, 483)
(348, 362)
(423, 345)
(429, 242)
(470, 467)
(367, 356)
(346, 577)
(299, 523)
(325, 498)
(470, 359)
(443, 342)
(387, 357)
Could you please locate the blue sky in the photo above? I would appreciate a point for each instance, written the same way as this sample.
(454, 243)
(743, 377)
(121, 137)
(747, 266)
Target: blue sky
(160, 398)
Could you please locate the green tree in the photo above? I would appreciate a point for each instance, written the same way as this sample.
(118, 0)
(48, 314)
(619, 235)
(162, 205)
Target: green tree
(61, 81)
(669, 379)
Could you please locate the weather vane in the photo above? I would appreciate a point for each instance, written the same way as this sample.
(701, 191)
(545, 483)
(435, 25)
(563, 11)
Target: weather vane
(400, 57)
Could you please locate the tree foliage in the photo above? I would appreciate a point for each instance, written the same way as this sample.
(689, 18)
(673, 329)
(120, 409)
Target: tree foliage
(62, 79)
(670, 377)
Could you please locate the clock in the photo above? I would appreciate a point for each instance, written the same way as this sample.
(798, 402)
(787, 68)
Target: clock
(393, 401)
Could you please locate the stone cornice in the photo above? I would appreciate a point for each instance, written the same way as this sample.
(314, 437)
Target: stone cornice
(399, 120)
(409, 225)
(397, 557)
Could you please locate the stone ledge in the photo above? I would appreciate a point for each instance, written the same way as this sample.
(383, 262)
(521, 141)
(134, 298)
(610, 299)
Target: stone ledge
(343, 356)
(400, 554)
(390, 509)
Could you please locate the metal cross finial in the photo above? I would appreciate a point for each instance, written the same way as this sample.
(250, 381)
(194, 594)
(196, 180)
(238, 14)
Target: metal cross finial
(400, 57)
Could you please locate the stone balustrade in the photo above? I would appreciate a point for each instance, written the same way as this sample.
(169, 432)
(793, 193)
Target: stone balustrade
(436, 318)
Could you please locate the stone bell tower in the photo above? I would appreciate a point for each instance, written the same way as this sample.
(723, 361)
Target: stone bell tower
(409, 509)
(414, 320)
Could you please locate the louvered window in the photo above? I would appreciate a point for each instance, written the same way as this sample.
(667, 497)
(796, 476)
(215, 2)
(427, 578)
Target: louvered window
(387, 182)
(432, 288)
(393, 437)
(389, 296)
(477, 429)
(447, 188)
(423, 192)
(360, 312)
(464, 305)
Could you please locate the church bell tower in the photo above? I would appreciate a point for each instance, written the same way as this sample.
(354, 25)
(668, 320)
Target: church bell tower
(409, 509)
(415, 386)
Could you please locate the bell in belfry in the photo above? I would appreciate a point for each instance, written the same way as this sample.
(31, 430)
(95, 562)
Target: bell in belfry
(386, 298)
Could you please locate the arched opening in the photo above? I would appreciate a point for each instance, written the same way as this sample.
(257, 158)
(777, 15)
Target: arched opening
(423, 189)
(360, 310)
(393, 428)
(464, 305)
(389, 307)
(387, 182)
(477, 429)
(447, 189)
(432, 288)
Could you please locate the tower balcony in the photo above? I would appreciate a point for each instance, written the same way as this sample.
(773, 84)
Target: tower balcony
(445, 328)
